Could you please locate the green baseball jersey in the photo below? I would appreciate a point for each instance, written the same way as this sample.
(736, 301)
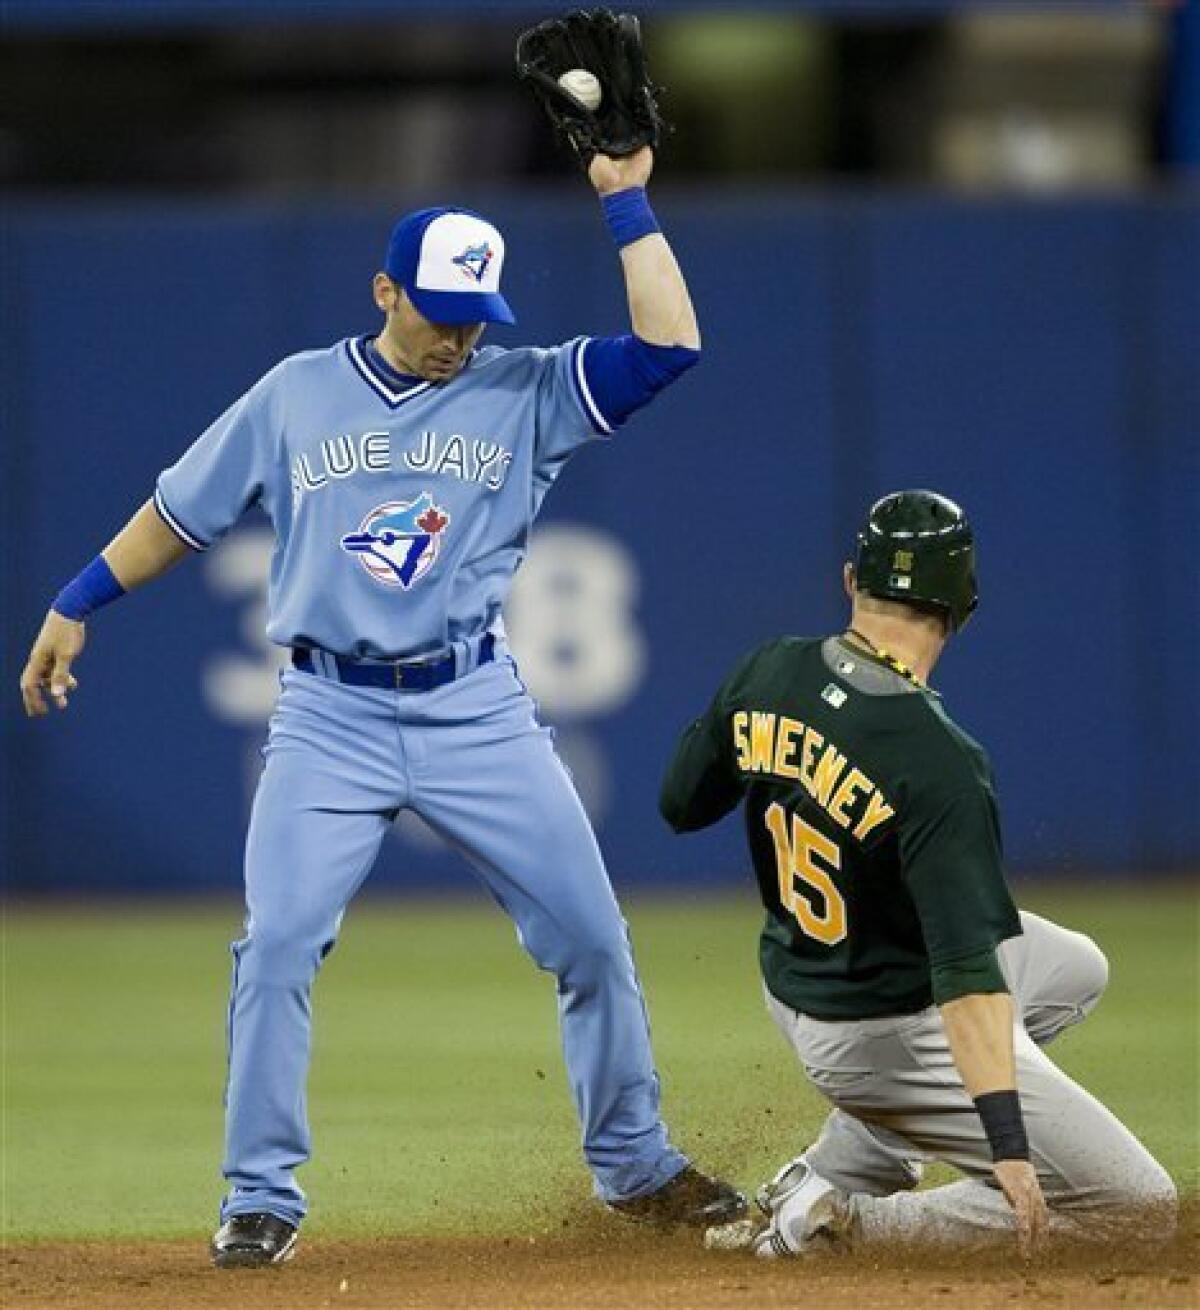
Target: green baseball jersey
(872, 824)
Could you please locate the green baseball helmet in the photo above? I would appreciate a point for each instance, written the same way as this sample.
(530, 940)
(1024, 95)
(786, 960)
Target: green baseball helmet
(917, 546)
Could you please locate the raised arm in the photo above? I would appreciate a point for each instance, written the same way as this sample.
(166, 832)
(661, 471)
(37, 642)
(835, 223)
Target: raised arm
(144, 549)
(660, 308)
(623, 373)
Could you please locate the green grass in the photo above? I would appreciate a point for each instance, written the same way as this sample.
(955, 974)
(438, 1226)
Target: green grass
(438, 1098)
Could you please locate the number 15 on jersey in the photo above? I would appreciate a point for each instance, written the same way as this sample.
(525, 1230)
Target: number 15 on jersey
(801, 852)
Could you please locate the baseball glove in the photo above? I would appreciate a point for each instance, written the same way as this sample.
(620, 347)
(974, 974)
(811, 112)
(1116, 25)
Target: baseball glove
(609, 46)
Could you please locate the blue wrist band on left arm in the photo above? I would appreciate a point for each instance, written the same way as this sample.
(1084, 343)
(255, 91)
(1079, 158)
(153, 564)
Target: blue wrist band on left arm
(95, 586)
(629, 216)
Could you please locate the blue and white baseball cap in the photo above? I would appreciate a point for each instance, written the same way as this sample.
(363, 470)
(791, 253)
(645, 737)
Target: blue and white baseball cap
(449, 261)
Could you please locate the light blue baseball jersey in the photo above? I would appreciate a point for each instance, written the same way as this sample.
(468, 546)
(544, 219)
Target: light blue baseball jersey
(401, 508)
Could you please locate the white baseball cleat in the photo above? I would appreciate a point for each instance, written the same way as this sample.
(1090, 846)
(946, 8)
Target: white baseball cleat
(807, 1214)
(786, 1180)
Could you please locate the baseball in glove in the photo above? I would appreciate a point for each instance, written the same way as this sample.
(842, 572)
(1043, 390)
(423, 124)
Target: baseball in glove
(609, 46)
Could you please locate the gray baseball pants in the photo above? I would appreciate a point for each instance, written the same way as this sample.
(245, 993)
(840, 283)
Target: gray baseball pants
(899, 1101)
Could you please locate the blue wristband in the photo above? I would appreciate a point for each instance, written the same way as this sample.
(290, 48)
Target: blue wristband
(94, 587)
(629, 216)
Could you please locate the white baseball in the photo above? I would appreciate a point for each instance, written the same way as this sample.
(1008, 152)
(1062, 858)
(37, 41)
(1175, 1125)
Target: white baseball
(584, 86)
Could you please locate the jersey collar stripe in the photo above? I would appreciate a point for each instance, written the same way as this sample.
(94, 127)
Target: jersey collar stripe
(189, 538)
(371, 376)
(395, 379)
(599, 422)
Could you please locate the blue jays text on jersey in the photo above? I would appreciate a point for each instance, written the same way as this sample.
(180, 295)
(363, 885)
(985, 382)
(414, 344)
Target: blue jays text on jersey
(371, 452)
(401, 508)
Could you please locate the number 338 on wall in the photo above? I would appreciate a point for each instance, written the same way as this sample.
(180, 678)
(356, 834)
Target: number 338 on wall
(571, 622)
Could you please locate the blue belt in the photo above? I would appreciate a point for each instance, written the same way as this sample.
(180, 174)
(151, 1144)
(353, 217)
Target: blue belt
(422, 675)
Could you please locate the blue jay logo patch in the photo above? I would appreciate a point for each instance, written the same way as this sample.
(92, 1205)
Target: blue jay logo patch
(474, 260)
(398, 543)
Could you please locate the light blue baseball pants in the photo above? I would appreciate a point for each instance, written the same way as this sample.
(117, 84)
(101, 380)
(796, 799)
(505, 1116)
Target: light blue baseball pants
(472, 760)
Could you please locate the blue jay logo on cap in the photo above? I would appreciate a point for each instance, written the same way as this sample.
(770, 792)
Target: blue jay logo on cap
(399, 542)
(449, 263)
(474, 260)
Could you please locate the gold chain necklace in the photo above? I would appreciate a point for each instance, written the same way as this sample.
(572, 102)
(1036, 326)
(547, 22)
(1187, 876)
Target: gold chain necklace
(897, 666)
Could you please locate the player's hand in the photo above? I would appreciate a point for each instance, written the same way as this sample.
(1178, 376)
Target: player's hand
(609, 175)
(1019, 1182)
(49, 665)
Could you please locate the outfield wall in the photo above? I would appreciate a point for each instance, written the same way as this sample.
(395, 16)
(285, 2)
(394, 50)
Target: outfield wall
(1035, 360)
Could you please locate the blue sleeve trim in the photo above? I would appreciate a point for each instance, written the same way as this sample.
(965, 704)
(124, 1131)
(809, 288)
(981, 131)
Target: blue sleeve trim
(188, 538)
(579, 375)
(621, 374)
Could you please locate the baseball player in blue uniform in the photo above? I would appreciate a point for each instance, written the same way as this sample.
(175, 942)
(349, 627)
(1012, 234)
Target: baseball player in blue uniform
(401, 472)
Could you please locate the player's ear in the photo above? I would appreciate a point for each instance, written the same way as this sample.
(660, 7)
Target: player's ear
(386, 292)
(848, 578)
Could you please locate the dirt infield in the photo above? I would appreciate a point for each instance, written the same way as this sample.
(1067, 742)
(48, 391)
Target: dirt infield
(608, 1268)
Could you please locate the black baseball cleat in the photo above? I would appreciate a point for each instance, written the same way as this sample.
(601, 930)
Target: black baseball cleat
(252, 1241)
(691, 1199)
